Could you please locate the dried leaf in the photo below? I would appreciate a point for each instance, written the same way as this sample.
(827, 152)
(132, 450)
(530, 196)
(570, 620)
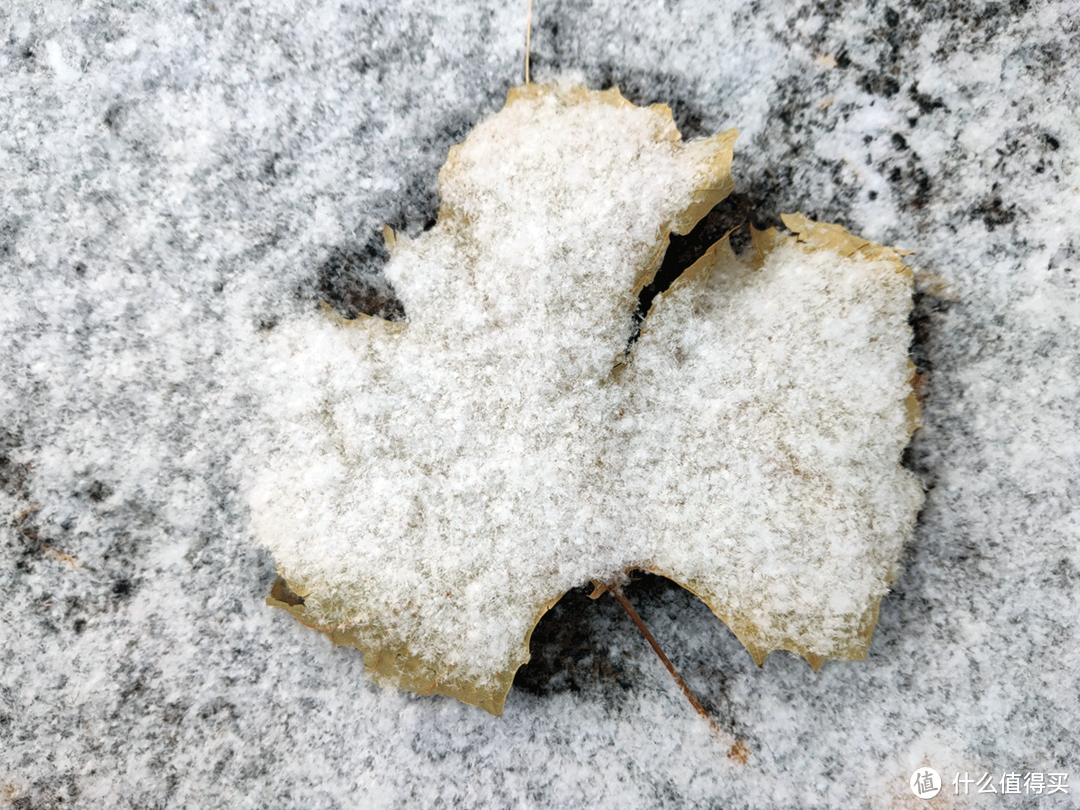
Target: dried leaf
(438, 485)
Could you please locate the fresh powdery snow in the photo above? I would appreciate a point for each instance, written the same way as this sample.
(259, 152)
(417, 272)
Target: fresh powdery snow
(181, 420)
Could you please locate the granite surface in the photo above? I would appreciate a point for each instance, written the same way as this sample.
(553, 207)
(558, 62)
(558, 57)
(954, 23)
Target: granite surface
(176, 177)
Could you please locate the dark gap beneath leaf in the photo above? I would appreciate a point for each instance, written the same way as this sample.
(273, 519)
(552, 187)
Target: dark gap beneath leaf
(351, 281)
(925, 320)
(283, 593)
(734, 214)
(570, 649)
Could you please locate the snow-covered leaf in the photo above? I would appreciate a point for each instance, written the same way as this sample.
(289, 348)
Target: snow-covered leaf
(438, 484)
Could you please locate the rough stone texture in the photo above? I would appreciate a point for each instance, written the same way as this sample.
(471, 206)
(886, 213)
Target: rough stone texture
(171, 174)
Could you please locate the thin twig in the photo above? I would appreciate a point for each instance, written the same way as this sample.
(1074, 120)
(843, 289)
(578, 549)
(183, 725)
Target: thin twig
(616, 591)
(528, 35)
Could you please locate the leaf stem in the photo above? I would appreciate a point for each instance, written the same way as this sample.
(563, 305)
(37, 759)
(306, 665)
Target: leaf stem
(616, 591)
(528, 36)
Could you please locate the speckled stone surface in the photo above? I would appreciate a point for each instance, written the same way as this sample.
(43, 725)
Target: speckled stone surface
(176, 176)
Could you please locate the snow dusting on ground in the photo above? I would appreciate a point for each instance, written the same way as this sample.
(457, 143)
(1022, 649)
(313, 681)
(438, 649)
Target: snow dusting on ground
(179, 177)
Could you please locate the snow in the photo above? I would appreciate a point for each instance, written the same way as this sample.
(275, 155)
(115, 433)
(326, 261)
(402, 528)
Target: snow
(177, 180)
